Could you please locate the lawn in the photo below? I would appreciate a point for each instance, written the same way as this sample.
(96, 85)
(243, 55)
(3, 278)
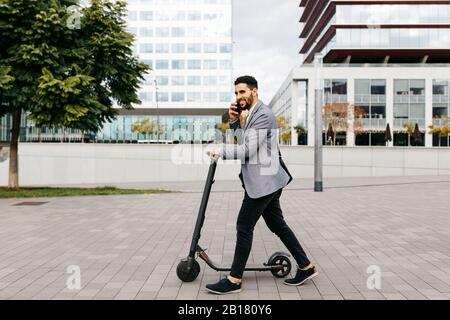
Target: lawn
(35, 192)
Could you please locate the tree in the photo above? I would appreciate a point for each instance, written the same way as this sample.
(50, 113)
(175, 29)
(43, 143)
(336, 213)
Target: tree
(145, 126)
(441, 128)
(343, 117)
(301, 131)
(283, 126)
(409, 128)
(5, 78)
(66, 76)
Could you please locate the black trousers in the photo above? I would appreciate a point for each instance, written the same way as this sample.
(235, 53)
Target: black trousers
(251, 210)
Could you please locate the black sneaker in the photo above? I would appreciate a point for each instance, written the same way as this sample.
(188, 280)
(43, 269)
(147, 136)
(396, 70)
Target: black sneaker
(224, 286)
(302, 276)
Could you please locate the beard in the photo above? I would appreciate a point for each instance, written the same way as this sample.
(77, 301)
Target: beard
(246, 103)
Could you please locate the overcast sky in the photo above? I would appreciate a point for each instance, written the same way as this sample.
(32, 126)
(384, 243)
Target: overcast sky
(266, 41)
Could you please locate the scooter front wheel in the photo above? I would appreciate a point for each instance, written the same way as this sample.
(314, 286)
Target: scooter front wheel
(186, 275)
(284, 263)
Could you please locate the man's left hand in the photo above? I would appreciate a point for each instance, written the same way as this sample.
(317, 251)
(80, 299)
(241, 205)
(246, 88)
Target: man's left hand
(214, 154)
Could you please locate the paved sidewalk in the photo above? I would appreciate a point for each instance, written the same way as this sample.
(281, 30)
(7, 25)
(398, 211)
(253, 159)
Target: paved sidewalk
(128, 247)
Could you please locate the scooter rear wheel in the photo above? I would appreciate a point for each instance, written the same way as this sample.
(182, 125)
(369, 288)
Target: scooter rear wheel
(186, 275)
(280, 260)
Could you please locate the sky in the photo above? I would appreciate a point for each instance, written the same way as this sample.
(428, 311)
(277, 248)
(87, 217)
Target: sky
(266, 42)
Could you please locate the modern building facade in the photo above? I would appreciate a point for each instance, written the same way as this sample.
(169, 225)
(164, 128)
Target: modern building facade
(188, 45)
(385, 62)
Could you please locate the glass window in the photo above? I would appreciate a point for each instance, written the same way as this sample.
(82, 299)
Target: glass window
(146, 48)
(225, 97)
(163, 96)
(193, 97)
(162, 16)
(177, 96)
(440, 87)
(178, 64)
(210, 96)
(225, 64)
(178, 48)
(401, 110)
(132, 15)
(148, 62)
(401, 87)
(162, 80)
(194, 32)
(339, 87)
(178, 81)
(179, 16)
(178, 32)
(194, 64)
(194, 80)
(194, 48)
(210, 81)
(417, 87)
(362, 87)
(225, 48)
(194, 15)
(210, 64)
(378, 87)
(417, 111)
(146, 15)
(162, 32)
(162, 64)
(209, 48)
(162, 48)
(146, 32)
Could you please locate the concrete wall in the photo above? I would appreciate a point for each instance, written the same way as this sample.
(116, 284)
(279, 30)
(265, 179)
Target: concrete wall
(50, 164)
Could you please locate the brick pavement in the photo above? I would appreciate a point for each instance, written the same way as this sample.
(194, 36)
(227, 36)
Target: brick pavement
(128, 247)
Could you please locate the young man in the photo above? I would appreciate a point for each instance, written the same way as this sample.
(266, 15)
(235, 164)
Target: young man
(263, 186)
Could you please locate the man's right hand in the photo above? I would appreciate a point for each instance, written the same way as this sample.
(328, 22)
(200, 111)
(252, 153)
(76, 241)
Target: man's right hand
(232, 113)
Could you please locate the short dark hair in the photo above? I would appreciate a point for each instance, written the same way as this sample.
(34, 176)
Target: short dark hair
(248, 80)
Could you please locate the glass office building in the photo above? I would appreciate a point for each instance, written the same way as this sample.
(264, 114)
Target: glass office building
(188, 45)
(385, 62)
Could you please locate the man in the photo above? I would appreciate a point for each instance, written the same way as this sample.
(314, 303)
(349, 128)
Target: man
(263, 178)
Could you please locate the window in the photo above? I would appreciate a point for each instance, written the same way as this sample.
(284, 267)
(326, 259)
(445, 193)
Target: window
(194, 15)
(162, 32)
(194, 48)
(178, 32)
(162, 80)
(162, 48)
(440, 87)
(225, 64)
(401, 87)
(178, 64)
(177, 96)
(163, 96)
(378, 87)
(193, 97)
(225, 97)
(132, 15)
(194, 64)
(146, 15)
(210, 81)
(194, 80)
(225, 48)
(210, 97)
(162, 64)
(177, 81)
(146, 48)
(210, 64)
(146, 32)
(178, 48)
(417, 87)
(209, 48)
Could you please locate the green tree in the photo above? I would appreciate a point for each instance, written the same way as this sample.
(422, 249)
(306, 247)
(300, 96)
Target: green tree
(440, 127)
(66, 75)
(409, 127)
(147, 127)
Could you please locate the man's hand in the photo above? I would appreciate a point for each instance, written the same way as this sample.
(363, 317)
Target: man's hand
(213, 154)
(232, 113)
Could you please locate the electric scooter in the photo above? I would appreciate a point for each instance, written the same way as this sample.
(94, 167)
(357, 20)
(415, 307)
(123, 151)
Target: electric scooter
(188, 269)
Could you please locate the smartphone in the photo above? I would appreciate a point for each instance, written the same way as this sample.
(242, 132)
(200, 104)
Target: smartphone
(238, 107)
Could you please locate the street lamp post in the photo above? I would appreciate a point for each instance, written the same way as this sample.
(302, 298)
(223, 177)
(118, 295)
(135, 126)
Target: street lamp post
(318, 150)
(157, 111)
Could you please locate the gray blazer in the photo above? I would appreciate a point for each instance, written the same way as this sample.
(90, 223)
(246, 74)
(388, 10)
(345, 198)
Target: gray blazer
(257, 148)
